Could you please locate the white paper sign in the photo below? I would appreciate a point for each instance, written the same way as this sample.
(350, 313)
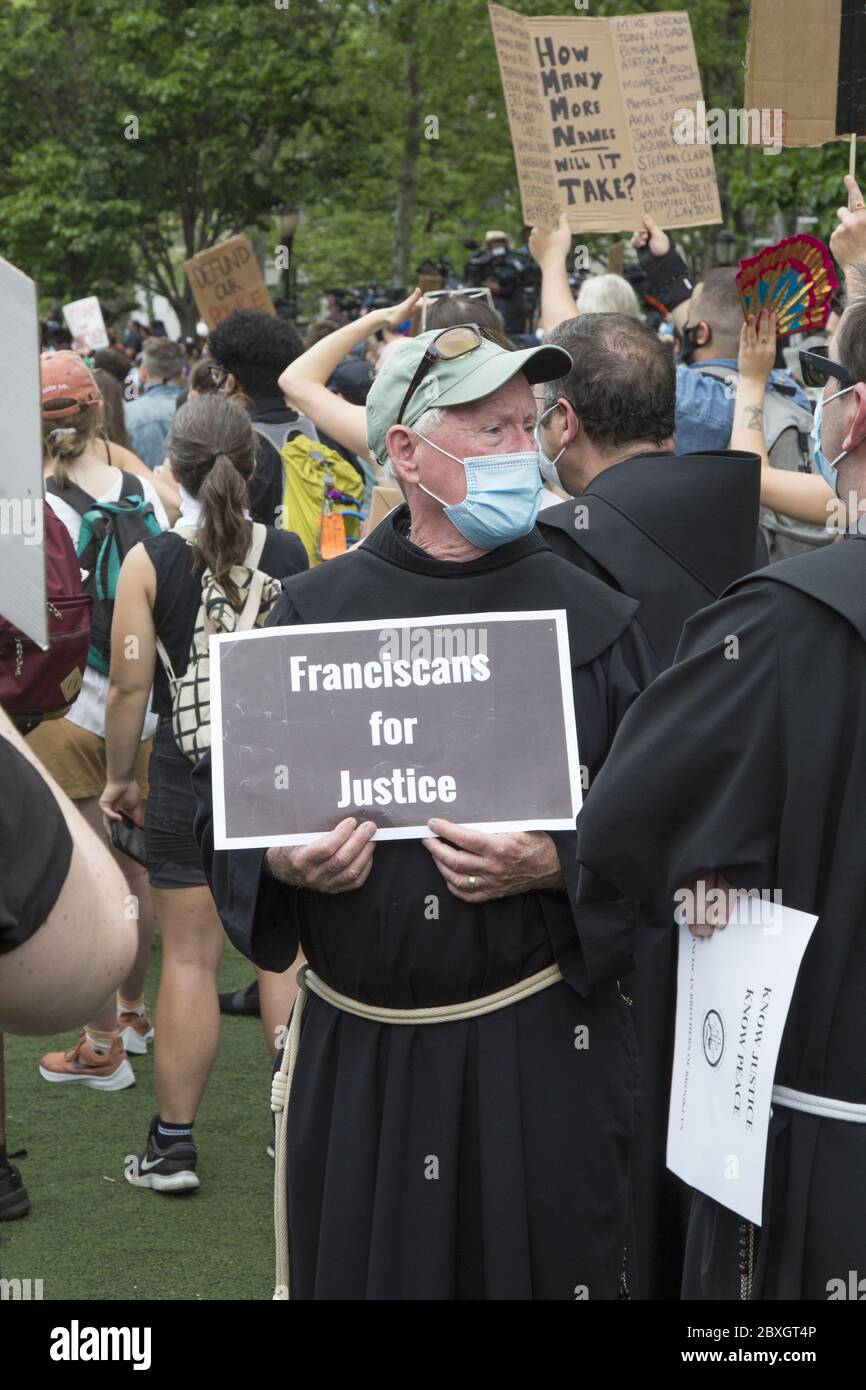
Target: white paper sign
(734, 991)
(85, 322)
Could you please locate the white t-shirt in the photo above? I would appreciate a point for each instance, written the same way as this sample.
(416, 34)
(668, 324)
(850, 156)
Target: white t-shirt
(88, 711)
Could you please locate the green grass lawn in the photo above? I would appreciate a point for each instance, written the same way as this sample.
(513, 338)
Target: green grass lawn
(89, 1234)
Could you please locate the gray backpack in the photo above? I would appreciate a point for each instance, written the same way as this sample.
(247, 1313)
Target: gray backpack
(279, 435)
(787, 431)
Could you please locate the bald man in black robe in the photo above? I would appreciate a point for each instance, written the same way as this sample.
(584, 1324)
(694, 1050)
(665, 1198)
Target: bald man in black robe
(484, 1158)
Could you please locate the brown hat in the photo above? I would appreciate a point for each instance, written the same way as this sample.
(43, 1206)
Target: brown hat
(65, 378)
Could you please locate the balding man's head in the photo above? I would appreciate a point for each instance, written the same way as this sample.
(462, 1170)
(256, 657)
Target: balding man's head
(622, 385)
(618, 399)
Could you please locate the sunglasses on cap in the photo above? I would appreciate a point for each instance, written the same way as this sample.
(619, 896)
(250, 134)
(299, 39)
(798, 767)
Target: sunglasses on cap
(432, 296)
(817, 369)
(447, 346)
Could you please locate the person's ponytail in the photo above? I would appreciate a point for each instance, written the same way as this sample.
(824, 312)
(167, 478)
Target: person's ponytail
(224, 534)
(211, 448)
(65, 440)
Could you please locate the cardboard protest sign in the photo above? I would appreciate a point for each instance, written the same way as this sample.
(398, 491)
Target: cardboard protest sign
(591, 107)
(393, 721)
(22, 560)
(86, 324)
(227, 277)
(383, 499)
(807, 59)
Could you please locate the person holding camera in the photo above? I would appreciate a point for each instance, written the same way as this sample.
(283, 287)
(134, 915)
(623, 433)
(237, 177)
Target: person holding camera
(501, 270)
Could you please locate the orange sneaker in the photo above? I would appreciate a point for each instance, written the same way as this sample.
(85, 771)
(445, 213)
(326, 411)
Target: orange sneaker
(136, 1031)
(85, 1067)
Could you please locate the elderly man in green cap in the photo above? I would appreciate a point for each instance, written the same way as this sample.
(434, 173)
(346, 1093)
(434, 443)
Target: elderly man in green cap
(465, 1152)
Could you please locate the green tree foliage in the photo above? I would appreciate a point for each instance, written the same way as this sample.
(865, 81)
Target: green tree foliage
(138, 134)
(465, 181)
(382, 119)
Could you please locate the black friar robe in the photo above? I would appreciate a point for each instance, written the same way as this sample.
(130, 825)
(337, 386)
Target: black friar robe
(479, 1159)
(672, 532)
(749, 756)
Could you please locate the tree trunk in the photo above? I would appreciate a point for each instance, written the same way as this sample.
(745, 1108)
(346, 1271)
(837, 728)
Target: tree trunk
(187, 314)
(405, 203)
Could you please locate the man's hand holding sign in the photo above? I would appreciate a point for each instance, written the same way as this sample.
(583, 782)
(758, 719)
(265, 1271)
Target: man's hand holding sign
(479, 867)
(475, 866)
(335, 863)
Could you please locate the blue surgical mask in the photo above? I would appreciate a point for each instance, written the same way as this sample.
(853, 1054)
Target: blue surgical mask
(828, 470)
(503, 497)
(549, 470)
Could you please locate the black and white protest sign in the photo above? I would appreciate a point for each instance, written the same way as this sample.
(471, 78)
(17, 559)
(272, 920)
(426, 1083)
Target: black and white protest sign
(467, 717)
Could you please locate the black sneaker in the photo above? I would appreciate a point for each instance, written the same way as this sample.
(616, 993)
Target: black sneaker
(243, 1001)
(14, 1201)
(169, 1169)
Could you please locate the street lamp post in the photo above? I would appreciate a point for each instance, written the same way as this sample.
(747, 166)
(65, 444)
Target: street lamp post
(725, 247)
(288, 223)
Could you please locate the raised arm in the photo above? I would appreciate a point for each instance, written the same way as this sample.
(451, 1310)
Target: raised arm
(550, 250)
(665, 269)
(803, 496)
(848, 242)
(303, 383)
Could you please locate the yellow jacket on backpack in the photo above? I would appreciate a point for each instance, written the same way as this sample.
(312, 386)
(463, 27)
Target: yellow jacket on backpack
(309, 469)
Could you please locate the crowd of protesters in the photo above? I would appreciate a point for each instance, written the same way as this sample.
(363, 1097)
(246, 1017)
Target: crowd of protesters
(205, 445)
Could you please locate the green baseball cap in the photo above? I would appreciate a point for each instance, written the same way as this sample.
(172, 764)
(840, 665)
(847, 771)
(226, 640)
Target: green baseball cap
(455, 382)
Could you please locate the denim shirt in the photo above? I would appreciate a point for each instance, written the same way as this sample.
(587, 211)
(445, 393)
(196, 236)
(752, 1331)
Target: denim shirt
(705, 405)
(148, 420)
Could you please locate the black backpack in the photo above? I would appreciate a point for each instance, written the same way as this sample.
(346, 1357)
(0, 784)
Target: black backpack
(109, 530)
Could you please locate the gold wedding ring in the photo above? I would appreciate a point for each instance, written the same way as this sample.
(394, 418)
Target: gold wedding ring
(472, 883)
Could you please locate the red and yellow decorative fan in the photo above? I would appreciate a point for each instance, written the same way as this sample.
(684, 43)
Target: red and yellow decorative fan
(795, 278)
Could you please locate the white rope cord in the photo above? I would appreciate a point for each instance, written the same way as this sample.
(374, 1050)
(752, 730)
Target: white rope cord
(822, 1106)
(281, 1086)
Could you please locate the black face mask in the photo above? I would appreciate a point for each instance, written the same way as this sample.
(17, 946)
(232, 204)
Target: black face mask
(689, 342)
